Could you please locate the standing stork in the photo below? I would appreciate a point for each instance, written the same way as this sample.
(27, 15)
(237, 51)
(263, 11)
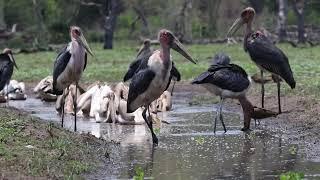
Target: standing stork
(227, 81)
(69, 66)
(6, 68)
(152, 77)
(263, 53)
(141, 61)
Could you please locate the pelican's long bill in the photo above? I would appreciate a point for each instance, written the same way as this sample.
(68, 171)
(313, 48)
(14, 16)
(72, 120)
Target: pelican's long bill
(177, 46)
(235, 26)
(82, 40)
(13, 60)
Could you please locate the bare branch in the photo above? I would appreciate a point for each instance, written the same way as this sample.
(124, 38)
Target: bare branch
(90, 4)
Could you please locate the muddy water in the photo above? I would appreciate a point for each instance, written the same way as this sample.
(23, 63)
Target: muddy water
(188, 148)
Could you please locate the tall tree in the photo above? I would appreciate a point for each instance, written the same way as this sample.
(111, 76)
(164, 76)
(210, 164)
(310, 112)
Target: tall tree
(282, 19)
(257, 5)
(141, 13)
(213, 16)
(2, 21)
(298, 8)
(112, 10)
(181, 23)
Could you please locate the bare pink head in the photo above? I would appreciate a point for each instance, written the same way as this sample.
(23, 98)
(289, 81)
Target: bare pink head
(10, 54)
(248, 14)
(75, 32)
(246, 17)
(165, 37)
(168, 40)
(7, 51)
(77, 35)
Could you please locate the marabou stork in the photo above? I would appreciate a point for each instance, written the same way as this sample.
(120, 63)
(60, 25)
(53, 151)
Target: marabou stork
(6, 68)
(263, 53)
(69, 66)
(153, 75)
(227, 81)
(142, 60)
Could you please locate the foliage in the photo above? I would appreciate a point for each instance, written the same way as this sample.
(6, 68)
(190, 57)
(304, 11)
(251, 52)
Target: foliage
(139, 174)
(292, 176)
(206, 18)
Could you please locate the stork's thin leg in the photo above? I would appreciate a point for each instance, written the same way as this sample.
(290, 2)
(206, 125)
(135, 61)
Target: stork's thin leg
(279, 103)
(174, 83)
(220, 112)
(154, 137)
(219, 115)
(62, 106)
(75, 108)
(215, 121)
(64, 94)
(257, 122)
(7, 94)
(262, 89)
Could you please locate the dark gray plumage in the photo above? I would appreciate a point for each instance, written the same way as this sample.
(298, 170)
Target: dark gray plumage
(227, 81)
(139, 84)
(221, 58)
(6, 70)
(7, 64)
(266, 55)
(227, 77)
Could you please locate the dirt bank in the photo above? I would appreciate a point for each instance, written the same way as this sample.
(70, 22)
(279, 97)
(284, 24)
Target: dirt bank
(30, 147)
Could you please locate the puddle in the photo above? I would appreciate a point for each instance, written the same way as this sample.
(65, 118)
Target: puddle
(188, 148)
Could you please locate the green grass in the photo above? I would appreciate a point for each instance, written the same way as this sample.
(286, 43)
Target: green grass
(30, 147)
(112, 64)
(292, 176)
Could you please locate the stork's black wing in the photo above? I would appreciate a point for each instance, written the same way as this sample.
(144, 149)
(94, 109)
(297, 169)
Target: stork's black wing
(229, 77)
(85, 60)
(132, 69)
(265, 54)
(139, 84)
(6, 70)
(175, 73)
(140, 63)
(59, 66)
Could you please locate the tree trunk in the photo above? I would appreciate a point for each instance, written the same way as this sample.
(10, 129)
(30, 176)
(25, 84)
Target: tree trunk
(141, 14)
(41, 37)
(2, 21)
(112, 10)
(282, 19)
(109, 27)
(257, 5)
(298, 8)
(213, 7)
(180, 24)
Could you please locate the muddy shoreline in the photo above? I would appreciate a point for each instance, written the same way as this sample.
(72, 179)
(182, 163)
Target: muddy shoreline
(298, 124)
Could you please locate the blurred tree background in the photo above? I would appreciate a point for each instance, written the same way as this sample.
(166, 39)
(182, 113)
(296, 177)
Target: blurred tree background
(43, 22)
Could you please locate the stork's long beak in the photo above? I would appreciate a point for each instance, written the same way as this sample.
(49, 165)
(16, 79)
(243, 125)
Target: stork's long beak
(12, 60)
(177, 46)
(235, 26)
(82, 40)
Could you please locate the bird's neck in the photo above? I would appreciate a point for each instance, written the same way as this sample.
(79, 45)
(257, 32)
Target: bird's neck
(248, 32)
(165, 54)
(247, 110)
(76, 47)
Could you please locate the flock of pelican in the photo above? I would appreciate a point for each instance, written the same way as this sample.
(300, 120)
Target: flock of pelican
(150, 76)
